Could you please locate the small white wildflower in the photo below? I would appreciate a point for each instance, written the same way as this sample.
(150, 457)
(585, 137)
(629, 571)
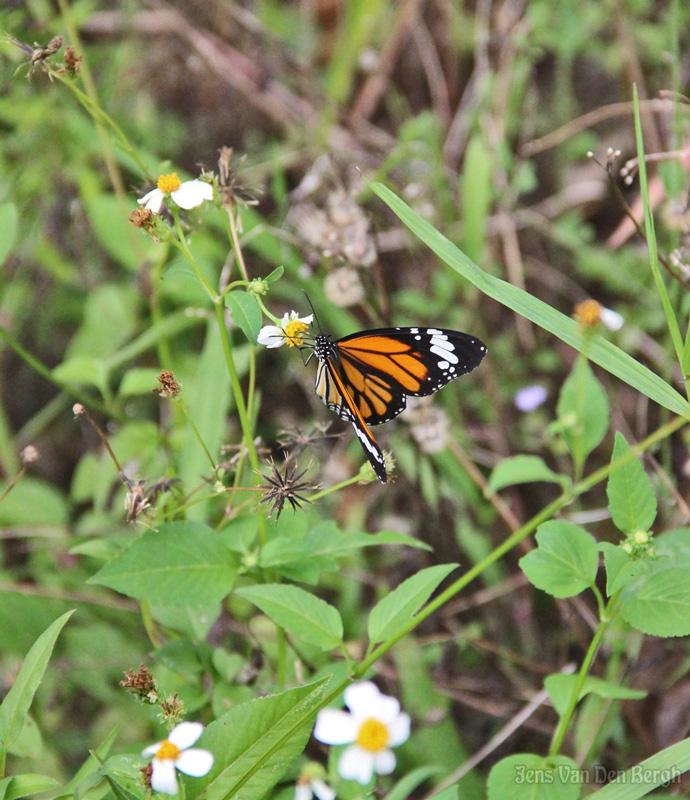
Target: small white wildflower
(291, 330)
(373, 726)
(174, 753)
(530, 398)
(189, 194)
(311, 783)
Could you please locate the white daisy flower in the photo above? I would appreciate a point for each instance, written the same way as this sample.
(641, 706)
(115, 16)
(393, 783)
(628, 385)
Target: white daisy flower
(311, 784)
(373, 726)
(189, 194)
(290, 332)
(174, 753)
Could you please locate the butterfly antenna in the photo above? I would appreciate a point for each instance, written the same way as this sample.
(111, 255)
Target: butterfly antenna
(311, 305)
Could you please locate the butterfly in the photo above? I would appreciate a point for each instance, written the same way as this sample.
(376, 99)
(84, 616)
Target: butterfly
(366, 377)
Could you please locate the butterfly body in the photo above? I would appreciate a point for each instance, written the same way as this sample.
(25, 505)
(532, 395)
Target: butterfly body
(366, 377)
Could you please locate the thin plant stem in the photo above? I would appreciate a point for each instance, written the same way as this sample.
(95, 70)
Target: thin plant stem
(181, 244)
(13, 483)
(564, 721)
(236, 243)
(336, 488)
(197, 433)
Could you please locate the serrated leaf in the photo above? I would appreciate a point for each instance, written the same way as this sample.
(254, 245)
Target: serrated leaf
(598, 349)
(255, 743)
(246, 313)
(396, 608)
(521, 469)
(8, 229)
(301, 614)
(583, 411)
(561, 687)
(526, 776)
(180, 564)
(565, 561)
(660, 603)
(631, 496)
(18, 700)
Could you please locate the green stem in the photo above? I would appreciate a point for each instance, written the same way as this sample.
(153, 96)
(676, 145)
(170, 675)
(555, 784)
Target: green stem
(181, 244)
(564, 721)
(234, 240)
(42, 370)
(13, 483)
(197, 433)
(336, 488)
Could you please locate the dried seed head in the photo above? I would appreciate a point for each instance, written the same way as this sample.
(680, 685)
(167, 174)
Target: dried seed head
(232, 191)
(141, 684)
(146, 774)
(285, 487)
(343, 287)
(78, 409)
(169, 387)
(172, 710)
(72, 62)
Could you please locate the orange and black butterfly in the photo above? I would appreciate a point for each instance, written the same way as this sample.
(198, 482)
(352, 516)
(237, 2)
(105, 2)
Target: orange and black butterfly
(366, 377)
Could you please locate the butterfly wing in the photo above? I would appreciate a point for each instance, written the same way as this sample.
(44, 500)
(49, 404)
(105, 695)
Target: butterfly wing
(333, 389)
(382, 366)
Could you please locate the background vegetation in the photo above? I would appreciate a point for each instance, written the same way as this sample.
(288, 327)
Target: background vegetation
(480, 117)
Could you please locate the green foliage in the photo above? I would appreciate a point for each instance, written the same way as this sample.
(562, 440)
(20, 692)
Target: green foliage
(561, 687)
(526, 776)
(246, 313)
(301, 614)
(565, 562)
(521, 469)
(631, 496)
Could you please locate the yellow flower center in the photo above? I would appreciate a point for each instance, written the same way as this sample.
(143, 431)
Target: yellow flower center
(168, 750)
(169, 183)
(588, 313)
(373, 736)
(293, 332)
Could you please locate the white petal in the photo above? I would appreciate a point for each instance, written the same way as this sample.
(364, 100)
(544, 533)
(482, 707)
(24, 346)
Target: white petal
(195, 762)
(399, 730)
(359, 698)
(163, 776)
(153, 200)
(306, 320)
(612, 319)
(185, 734)
(152, 749)
(271, 336)
(384, 762)
(335, 727)
(322, 790)
(302, 791)
(385, 709)
(356, 765)
(192, 194)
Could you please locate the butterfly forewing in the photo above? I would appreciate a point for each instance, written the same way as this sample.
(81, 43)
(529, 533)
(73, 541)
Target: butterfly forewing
(366, 377)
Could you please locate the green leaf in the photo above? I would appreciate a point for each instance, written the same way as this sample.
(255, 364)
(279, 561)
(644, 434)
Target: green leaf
(18, 700)
(20, 786)
(83, 371)
(665, 767)
(246, 313)
(123, 773)
(521, 469)
(599, 350)
(8, 229)
(33, 502)
(526, 776)
(92, 764)
(180, 564)
(660, 603)
(565, 561)
(255, 743)
(406, 786)
(620, 567)
(277, 273)
(396, 608)
(631, 496)
(301, 614)
(560, 688)
(477, 188)
(139, 380)
(583, 412)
